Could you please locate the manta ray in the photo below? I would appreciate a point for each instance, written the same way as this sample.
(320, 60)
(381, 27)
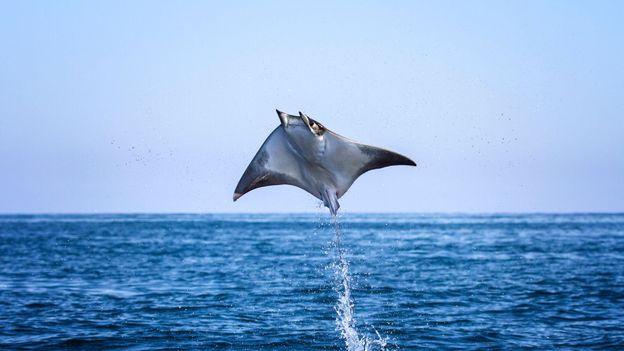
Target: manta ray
(304, 153)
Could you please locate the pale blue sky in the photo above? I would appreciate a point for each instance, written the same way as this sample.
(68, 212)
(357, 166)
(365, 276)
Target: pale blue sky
(145, 106)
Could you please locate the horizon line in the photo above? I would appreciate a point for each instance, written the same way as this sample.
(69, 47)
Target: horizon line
(315, 213)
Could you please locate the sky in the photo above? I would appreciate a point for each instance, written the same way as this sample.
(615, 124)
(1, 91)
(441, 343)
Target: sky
(130, 106)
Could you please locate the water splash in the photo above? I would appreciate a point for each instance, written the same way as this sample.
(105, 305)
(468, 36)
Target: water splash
(345, 320)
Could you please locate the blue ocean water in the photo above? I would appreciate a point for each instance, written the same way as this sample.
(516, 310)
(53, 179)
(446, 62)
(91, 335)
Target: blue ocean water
(273, 282)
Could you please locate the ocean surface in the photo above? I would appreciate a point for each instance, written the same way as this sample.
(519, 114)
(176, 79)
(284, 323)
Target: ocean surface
(275, 282)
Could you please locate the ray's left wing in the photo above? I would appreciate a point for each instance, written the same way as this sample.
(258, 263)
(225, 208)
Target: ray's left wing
(352, 159)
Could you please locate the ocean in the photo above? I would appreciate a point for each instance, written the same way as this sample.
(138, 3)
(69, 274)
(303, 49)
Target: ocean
(275, 282)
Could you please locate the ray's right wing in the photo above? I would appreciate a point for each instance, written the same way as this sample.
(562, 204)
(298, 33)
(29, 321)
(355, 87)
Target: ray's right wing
(352, 159)
(274, 164)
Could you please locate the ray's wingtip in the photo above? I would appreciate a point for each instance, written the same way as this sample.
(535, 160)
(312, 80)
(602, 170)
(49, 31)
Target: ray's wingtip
(408, 161)
(236, 196)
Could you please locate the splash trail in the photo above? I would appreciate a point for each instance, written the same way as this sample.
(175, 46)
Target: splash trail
(345, 307)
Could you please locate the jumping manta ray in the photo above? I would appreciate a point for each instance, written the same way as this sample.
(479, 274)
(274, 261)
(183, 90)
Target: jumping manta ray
(303, 153)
